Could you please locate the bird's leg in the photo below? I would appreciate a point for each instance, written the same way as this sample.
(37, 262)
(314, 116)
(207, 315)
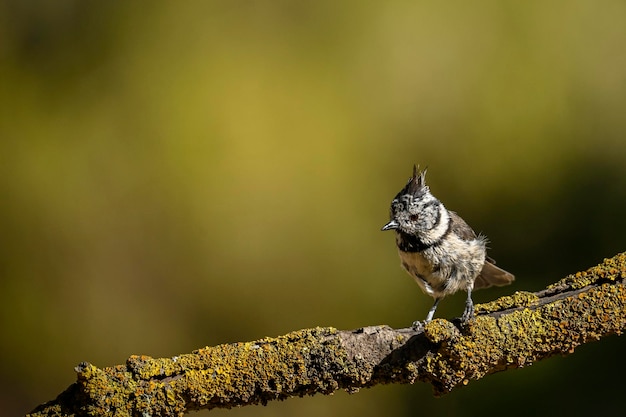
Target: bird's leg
(418, 324)
(469, 307)
(431, 313)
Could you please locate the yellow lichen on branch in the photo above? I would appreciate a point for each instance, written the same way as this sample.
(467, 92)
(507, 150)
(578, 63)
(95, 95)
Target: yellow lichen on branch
(513, 331)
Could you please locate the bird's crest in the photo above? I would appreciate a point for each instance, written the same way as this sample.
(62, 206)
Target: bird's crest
(417, 183)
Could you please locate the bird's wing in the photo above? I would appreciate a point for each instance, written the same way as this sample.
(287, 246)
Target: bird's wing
(460, 228)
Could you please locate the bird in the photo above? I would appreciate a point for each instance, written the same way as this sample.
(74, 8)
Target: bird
(437, 247)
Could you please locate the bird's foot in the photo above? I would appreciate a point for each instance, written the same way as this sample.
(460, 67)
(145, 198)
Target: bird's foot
(468, 314)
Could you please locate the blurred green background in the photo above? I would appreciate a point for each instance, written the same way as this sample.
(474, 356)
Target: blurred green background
(182, 174)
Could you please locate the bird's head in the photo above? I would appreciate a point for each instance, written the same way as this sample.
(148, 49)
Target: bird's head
(414, 210)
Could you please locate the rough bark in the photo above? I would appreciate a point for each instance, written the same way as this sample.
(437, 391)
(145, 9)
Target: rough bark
(511, 332)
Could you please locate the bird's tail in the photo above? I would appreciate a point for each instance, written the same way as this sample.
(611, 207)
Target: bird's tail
(492, 275)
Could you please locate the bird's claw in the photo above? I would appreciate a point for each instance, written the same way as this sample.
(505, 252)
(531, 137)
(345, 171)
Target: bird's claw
(418, 325)
(468, 314)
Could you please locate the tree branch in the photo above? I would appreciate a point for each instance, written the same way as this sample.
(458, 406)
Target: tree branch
(511, 332)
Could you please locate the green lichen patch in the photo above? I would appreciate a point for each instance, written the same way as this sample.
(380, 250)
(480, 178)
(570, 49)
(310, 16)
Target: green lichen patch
(267, 369)
(107, 389)
(612, 269)
(440, 330)
(302, 362)
(518, 299)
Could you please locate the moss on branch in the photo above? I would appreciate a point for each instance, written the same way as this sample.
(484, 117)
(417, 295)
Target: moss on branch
(511, 332)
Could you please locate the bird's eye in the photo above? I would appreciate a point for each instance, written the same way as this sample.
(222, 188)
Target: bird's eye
(413, 217)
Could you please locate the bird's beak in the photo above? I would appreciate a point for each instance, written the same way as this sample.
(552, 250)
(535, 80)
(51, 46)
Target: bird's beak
(391, 225)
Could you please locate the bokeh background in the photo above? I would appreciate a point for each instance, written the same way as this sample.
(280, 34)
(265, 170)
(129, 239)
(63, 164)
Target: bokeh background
(182, 174)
